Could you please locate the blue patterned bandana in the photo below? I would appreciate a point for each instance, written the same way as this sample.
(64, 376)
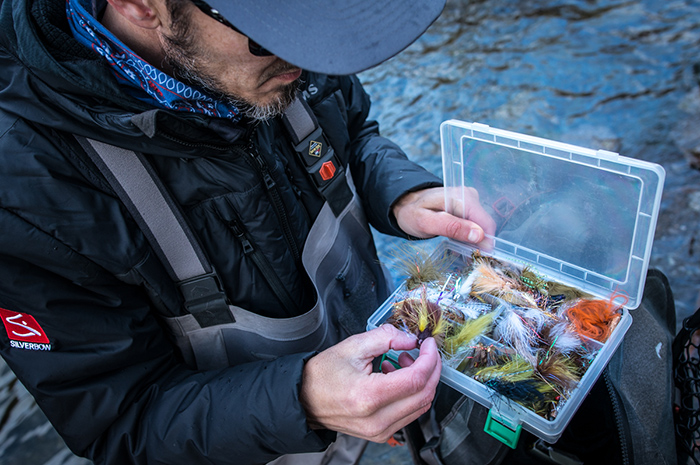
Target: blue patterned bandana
(141, 79)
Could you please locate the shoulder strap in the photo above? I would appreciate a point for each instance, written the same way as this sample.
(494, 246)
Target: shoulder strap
(142, 192)
(316, 154)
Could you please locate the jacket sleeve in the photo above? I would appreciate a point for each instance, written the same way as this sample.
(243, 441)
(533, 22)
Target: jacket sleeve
(381, 170)
(111, 382)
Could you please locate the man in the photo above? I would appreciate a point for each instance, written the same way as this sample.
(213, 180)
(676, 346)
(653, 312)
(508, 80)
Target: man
(97, 328)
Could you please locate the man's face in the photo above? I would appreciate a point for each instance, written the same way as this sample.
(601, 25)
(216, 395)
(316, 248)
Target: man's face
(213, 56)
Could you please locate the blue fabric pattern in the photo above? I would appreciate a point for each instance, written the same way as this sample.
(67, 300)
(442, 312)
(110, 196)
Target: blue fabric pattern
(142, 80)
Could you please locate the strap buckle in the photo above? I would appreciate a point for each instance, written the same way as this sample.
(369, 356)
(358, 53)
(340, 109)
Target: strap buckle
(205, 300)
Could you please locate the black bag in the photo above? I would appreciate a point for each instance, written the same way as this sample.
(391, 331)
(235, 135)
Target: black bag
(686, 374)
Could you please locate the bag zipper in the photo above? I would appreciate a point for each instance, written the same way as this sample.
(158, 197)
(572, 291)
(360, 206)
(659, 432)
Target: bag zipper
(619, 411)
(342, 274)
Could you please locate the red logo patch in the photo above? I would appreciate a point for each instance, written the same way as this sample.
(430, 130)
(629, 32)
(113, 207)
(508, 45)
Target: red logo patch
(22, 327)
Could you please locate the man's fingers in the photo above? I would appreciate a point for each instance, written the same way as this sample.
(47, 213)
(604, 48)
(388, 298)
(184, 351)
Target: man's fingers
(422, 214)
(340, 392)
(421, 371)
(385, 433)
(388, 366)
(444, 224)
(377, 342)
(405, 359)
(404, 410)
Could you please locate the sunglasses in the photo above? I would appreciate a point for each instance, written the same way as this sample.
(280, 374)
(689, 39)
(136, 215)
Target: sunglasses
(253, 47)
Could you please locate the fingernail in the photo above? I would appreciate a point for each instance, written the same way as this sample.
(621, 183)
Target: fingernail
(473, 236)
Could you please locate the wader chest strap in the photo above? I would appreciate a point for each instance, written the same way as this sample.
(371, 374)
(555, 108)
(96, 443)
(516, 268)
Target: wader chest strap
(158, 216)
(316, 155)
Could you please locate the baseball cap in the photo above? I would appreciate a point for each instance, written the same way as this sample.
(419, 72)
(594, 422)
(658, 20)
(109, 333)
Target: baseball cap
(329, 36)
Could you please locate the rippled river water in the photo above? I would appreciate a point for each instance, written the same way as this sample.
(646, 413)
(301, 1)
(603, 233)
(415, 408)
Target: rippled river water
(615, 75)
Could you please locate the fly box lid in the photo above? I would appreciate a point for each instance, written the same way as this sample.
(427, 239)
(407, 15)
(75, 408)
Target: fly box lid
(584, 217)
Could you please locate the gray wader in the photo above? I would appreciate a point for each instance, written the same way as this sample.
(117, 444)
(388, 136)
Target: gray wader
(339, 257)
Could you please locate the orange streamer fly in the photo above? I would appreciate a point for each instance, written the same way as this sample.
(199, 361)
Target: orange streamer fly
(596, 318)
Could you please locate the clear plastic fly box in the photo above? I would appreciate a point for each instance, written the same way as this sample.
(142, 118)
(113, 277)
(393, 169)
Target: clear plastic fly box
(527, 320)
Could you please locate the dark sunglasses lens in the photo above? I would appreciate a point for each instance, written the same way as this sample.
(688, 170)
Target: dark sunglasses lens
(257, 50)
(254, 47)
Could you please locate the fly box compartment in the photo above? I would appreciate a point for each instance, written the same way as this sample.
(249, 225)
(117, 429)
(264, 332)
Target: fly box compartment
(528, 319)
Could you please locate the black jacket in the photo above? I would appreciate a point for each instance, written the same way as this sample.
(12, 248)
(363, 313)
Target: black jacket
(73, 258)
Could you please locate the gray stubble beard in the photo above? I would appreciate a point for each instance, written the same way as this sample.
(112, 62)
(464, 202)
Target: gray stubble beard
(180, 54)
(250, 110)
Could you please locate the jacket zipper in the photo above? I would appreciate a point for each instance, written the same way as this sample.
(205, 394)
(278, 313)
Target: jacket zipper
(271, 188)
(298, 193)
(618, 411)
(264, 266)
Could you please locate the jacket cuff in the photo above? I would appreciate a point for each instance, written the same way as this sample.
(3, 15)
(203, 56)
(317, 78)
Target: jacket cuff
(293, 428)
(391, 219)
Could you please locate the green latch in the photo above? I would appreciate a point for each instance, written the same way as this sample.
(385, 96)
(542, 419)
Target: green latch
(502, 432)
(388, 358)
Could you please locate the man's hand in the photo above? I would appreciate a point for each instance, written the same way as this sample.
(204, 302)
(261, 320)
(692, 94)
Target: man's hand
(422, 214)
(341, 393)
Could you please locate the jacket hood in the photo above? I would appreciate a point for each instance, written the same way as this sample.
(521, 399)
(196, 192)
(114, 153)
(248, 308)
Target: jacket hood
(51, 79)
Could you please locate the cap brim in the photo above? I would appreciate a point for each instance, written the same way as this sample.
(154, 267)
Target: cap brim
(332, 37)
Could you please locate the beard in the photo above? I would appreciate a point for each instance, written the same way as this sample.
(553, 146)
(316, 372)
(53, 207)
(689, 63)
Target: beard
(184, 56)
(214, 88)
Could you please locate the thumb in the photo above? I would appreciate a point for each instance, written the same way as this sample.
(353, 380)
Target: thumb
(382, 339)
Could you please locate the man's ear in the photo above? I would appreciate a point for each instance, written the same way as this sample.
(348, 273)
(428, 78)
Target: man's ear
(139, 12)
